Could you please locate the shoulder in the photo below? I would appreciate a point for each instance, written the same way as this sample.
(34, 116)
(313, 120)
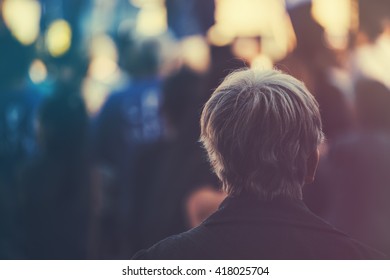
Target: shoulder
(327, 238)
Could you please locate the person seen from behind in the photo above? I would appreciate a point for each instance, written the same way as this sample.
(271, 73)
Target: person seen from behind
(262, 130)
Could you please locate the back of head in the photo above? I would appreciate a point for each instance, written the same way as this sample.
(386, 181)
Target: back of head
(63, 125)
(309, 33)
(373, 15)
(259, 129)
(140, 57)
(181, 102)
(372, 105)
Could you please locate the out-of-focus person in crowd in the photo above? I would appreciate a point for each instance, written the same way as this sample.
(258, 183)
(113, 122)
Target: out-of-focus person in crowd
(371, 58)
(129, 118)
(353, 187)
(54, 209)
(312, 61)
(358, 182)
(175, 185)
(18, 106)
(262, 130)
(355, 172)
(131, 115)
(223, 61)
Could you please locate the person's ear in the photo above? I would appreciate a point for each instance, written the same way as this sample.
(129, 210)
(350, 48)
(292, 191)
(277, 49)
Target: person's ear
(311, 166)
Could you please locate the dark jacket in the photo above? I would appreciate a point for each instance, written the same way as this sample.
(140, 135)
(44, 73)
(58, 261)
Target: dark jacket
(246, 228)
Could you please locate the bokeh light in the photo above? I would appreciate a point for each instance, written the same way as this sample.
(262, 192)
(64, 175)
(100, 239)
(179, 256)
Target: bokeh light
(102, 68)
(262, 62)
(94, 95)
(38, 71)
(336, 17)
(217, 36)
(104, 56)
(103, 72)
(251, 18)
(152, 17)
(22, 18)
(58, 38)
(103, 45)
(196, 53)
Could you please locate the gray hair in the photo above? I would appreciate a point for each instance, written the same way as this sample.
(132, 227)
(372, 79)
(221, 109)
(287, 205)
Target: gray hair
(259, 128)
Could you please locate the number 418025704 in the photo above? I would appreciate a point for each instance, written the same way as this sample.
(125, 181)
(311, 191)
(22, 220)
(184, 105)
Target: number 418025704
(242, 270)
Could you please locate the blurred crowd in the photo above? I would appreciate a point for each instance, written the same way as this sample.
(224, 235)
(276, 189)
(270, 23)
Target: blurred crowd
(99, 125)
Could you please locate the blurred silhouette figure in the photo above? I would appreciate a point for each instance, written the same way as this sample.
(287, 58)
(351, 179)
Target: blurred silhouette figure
(353, 182)
(18, 106)
(359, 179)
(312, 62)
(370, 58)
(355, 177)
(223, 62)
(169, 171)
(372, 105)
(372, 15)
(131, 117)
(55, 187)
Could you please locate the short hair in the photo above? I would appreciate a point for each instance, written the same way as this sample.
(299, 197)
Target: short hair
(259, 128)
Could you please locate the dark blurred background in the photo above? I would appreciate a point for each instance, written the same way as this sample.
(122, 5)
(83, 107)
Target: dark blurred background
(100, 103)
